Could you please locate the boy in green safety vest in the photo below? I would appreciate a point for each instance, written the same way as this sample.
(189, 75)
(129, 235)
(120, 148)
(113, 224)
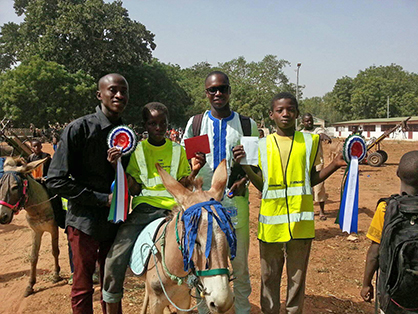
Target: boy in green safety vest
(287, 161)
(151, 200)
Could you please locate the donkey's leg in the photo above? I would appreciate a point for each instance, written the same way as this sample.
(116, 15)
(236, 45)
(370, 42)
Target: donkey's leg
(36, 244)
(55, 253)
(146, 299)
(155, 305)
(156, 302)
(183, 303)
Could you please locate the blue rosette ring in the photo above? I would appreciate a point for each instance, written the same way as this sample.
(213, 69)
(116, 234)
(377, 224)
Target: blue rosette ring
(123, 137)
(354, 145)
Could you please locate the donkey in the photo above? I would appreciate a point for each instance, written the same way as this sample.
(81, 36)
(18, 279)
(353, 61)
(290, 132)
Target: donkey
(166, 269)
(18, 190)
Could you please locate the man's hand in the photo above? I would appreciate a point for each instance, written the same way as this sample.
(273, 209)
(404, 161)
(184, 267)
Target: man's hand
(325, 138)
(238, 188)
(109, 200)
(367, 293)
(198, 161)
(339, 161)
(238, 153)
(113, 154)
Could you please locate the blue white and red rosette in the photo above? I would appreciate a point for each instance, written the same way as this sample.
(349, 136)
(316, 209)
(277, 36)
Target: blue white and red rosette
(125, 139)
(354, 151)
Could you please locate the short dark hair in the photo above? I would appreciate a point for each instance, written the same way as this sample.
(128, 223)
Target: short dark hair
(284, 95)
(307, 115)
(157, 106)
(34, 142)
(408, 168)
(217, 73)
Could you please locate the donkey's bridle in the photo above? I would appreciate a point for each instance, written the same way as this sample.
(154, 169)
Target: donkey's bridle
(22, 185)
(199, 273)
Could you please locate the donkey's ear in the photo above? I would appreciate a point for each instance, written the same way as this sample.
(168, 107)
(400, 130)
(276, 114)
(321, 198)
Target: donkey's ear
(179, 192)
(219, 179)
(33, 165)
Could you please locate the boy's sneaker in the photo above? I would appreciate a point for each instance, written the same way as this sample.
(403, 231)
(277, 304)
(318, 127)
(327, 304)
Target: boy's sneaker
(70, 281)
(96, 279)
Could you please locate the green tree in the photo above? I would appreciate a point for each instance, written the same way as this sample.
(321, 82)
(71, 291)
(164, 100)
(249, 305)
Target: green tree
(88, 35)
(341, 97)
(321, 107)
(255, 83)
(313, 105)
(192, 80)
(156, 81)
(373, 86)
(367, 94)
(39, 92)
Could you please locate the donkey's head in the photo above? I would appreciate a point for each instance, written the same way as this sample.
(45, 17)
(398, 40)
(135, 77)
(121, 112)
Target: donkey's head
(207, 237)
(13, 186)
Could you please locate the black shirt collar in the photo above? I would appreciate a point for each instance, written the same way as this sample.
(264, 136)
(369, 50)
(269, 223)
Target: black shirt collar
(103, 120)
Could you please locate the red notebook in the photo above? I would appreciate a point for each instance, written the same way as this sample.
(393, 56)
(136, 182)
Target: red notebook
(197, 144)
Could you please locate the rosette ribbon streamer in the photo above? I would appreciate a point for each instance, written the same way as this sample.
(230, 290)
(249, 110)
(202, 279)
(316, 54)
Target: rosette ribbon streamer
(120, 201)
(123, 138)
(354, 152)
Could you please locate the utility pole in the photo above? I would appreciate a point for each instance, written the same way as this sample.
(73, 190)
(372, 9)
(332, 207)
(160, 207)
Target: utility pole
(297, 81)
(388, 108)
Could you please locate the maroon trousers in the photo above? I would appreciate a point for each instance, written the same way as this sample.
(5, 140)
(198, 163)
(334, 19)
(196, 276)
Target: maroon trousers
(86, 251)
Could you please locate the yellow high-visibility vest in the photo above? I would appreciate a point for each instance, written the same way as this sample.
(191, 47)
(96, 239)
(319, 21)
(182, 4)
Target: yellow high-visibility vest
(286, 210)
(152, 182)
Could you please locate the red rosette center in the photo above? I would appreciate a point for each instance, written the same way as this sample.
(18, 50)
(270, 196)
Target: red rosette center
(356, 149)
(121, 140)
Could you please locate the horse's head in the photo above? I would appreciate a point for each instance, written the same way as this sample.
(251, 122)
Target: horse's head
(208, 236)
(13, 186)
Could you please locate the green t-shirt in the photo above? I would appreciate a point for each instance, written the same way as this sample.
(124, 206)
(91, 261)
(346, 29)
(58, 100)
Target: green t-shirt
(161, 155)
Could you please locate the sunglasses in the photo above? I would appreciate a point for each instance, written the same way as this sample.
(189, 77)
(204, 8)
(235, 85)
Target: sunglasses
(223, 89)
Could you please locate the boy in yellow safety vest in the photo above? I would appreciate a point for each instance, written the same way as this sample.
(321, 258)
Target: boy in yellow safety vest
(287, 160)
(151, 200)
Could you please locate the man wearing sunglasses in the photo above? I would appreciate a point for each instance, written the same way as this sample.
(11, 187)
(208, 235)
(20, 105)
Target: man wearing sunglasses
(225, 128)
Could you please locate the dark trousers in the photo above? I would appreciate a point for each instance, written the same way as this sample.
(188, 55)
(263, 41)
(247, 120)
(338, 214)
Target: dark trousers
(86, 251)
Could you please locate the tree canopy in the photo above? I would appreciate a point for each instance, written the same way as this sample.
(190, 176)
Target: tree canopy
(88, 35)
(366, 95)
(39, 92)
(255, 83)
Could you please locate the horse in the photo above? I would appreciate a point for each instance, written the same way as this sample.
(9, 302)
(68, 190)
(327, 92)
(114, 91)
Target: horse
(18, 190)
(168, 269)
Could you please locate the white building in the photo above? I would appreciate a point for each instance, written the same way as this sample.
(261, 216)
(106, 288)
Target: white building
(376, 127)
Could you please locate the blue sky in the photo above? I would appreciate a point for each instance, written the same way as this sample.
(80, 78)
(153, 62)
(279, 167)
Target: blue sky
(331, 39)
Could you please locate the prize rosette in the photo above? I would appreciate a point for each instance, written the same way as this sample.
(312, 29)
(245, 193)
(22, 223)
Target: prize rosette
(354, 145)
(125, 139)
(354, 151)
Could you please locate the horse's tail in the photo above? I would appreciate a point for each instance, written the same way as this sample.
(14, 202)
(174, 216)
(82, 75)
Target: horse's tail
(145, 303)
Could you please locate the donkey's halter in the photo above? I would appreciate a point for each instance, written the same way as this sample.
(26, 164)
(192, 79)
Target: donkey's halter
(22, 185)
(191, 219)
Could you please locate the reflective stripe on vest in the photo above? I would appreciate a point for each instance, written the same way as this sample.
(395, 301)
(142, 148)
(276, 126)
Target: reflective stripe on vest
(151, 182)
(164, 193)
(281, 219)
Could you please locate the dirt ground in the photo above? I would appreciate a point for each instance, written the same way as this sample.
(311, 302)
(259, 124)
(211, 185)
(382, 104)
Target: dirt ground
(335, 268)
